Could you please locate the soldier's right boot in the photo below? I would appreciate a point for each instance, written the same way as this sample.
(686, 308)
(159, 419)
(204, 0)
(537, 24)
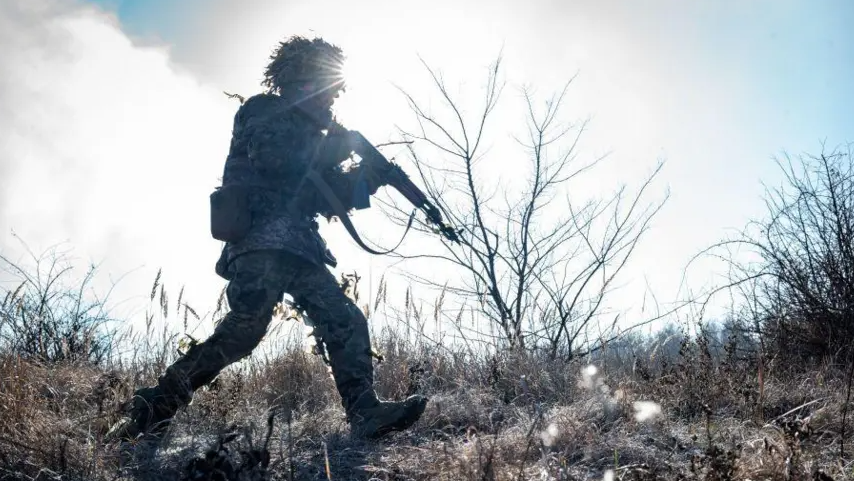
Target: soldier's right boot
(152, 408)
(343, 329)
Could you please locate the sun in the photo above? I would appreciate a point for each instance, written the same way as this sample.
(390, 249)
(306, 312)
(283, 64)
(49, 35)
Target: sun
(370, 101)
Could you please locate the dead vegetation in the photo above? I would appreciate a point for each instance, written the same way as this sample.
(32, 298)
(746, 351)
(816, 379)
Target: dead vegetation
(668, 407)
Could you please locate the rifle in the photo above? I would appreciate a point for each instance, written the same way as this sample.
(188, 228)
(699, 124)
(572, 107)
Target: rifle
(398, 179)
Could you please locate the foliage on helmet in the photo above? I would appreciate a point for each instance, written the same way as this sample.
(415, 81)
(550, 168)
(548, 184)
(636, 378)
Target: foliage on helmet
(298, 59)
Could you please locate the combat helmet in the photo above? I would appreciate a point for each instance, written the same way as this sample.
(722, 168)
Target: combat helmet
(299, 60)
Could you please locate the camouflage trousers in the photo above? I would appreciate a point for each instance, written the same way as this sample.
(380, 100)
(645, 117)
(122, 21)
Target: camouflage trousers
(260, 280)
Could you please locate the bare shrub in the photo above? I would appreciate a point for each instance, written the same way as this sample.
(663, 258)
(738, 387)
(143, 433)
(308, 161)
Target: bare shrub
(535, 260)
(49, 315)
(800, 291)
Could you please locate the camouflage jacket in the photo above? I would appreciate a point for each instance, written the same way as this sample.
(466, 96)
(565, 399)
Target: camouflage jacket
(272, 146)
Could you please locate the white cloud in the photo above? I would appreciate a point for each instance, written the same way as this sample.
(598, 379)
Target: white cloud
(107, 147)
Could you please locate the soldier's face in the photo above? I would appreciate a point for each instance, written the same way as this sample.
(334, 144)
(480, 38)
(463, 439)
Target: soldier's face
(321, 94)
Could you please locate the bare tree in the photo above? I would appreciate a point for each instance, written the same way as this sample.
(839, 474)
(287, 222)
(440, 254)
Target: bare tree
(536, 261)
(799, 290)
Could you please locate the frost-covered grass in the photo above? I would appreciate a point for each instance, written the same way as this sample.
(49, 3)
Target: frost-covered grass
(689, 416)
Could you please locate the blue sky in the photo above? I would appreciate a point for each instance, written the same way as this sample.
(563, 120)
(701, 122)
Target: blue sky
(152, 18)
(714, 88)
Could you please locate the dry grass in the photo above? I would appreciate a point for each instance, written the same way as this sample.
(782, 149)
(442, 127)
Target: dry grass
(693, 410)
(485, 421)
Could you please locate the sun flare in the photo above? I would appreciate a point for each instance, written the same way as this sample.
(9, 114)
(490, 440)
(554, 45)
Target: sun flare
(369, 98)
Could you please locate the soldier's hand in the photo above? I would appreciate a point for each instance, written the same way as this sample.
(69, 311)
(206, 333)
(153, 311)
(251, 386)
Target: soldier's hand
(336, 149)
(348, 139)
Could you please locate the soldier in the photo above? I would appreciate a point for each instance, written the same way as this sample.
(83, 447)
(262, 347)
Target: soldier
(276, 137)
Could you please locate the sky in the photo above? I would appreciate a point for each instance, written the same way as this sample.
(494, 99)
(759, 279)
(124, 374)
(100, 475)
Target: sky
(115, 126)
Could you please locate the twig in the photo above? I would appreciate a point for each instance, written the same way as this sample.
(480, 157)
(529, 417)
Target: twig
(845, 410)
(708, 411)
(326, 460)
(761, 376)
(291, 470)
(531, 429)
(769, 423)
(239, 97)
(395, 143)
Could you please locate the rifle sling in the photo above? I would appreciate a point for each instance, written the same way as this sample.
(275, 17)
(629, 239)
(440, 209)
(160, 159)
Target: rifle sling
(341, 212)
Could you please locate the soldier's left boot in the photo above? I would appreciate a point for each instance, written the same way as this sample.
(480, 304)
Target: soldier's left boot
(151, 410)
(148, 416)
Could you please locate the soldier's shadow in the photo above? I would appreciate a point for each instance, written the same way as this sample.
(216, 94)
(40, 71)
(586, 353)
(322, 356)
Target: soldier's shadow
(323, 457)
(236, 454)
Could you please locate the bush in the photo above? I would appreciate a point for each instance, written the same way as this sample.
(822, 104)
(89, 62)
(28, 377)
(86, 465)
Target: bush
(49, 316)
(801, 292)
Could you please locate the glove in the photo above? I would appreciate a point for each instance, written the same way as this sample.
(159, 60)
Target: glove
(337, 147)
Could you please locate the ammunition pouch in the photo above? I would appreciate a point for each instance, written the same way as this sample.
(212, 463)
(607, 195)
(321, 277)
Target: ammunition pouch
(231, 213)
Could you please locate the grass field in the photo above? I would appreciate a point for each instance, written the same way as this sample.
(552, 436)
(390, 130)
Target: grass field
(661, 408)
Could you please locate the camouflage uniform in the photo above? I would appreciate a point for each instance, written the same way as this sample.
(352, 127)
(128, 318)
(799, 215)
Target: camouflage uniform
(260, 279)
(273, 144)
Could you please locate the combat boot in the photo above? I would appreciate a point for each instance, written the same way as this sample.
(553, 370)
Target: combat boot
(377, 418)
(150, 414)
